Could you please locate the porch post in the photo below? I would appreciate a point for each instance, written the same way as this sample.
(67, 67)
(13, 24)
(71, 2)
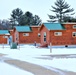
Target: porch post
(50, 48)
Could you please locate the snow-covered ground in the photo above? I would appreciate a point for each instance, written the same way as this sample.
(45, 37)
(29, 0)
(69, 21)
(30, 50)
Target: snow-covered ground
(6, 69)
(40, 56)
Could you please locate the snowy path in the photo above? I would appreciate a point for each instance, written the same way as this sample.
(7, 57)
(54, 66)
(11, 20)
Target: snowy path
(28, 67)
(42, 57)
(6, 69)
(35, 69)
(25, 66)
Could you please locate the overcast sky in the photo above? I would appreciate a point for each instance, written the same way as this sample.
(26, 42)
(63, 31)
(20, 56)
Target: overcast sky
(37, 7)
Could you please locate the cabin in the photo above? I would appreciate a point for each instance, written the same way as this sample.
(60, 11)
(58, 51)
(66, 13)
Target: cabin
(4, 37)
(58, 34)
(26, 34)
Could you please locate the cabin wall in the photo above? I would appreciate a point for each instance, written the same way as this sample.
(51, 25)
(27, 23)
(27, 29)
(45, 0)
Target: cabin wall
(3, 40)
(67, 37)
(27, 37)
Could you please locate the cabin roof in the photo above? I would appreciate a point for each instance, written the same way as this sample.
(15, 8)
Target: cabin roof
(5, 32)
(54, 26)
(23, 28)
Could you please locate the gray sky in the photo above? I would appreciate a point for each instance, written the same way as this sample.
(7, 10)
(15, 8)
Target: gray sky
(37, 7)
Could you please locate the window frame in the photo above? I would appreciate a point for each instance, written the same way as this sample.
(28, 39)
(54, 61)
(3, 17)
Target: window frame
(57, 33)
(73, 34)
(74, 27)
(5, 36)
(44, 35)
(39, 35)
(25, 34)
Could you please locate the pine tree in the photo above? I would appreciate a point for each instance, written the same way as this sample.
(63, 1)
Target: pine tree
(61, 8)
(15, 15)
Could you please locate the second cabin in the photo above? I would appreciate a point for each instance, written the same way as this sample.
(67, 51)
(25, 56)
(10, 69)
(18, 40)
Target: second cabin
(26, 34)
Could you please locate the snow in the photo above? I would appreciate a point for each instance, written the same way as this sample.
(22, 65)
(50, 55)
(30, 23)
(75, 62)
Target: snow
(64, 51)
(6, 69)
(41, 56)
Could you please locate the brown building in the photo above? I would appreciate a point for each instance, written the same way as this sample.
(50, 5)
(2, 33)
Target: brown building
(26, 34)
(58, 34)
(4, 37)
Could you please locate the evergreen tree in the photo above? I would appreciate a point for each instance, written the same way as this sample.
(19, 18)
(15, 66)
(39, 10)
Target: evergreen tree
(15, 16)
(36, 20)
(28, 18)
(18, 18)
(69, 19)
(61, 8)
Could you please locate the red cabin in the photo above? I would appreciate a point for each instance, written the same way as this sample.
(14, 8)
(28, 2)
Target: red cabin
(26, 34)
(58, 34)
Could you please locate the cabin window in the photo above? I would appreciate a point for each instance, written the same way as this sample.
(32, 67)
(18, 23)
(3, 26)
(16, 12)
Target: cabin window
(44, 36)
(74, 34)
(58, 33)
(39, 35)
(5, 36)
(25, 34)
(74, 26)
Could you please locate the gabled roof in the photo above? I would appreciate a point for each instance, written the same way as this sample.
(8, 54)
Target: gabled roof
(53, 26)
(4, 32)
(23, 28)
